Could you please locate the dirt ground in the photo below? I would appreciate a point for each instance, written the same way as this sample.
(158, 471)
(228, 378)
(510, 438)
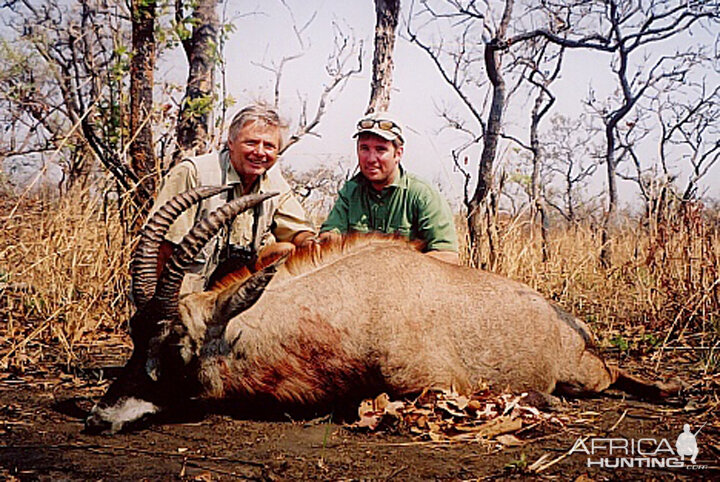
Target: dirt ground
(43, 406)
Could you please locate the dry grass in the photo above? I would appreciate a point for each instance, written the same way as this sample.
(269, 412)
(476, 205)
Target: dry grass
(63, 278)
(63, 275)
(663, 287)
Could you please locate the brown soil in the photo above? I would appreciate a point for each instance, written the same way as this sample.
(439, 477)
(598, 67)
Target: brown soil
(42, 410)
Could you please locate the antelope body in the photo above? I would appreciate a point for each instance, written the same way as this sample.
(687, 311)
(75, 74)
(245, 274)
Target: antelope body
(372, 315)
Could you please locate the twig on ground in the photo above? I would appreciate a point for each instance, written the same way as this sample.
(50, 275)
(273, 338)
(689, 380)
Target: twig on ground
(24, 342)
(618, 421)
(188, 463)
(394, 473)
(539, 466)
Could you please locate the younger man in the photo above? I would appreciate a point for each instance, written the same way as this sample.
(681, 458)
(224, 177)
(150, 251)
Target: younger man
(384, 197)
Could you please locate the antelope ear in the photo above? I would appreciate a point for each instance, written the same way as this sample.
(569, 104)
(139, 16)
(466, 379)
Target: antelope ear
(237, 298)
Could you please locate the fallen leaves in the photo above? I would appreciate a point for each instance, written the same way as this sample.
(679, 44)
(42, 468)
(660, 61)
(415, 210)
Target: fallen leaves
(373, 411)
(443, 415)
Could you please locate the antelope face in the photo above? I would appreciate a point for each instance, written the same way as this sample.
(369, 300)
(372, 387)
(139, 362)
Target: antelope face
(159, 374)
(167, 336)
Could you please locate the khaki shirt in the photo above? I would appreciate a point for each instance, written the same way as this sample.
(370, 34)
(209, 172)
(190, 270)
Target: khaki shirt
(277, 219)
(284, 222)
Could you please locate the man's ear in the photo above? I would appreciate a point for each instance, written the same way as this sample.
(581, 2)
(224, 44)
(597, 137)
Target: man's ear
(399, 151)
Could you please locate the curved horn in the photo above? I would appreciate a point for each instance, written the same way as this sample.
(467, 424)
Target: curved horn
(237, 298)
(143, 266)
(171, 279)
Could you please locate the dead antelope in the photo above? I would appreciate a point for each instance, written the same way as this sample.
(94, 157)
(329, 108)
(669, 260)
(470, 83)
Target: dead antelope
(354, 320)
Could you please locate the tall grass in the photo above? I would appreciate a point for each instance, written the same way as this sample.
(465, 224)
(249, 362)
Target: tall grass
(63, 273)
(664, 283)
(64, 279)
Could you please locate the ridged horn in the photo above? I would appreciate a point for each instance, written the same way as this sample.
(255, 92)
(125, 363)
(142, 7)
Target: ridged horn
(143, 266)
(169, 286)
(236, 299)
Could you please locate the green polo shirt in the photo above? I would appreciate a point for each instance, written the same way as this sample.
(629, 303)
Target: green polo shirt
(409, 207)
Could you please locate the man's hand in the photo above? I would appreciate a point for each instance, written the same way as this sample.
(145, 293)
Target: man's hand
(329, 237)
(273, 252)
(304, 238)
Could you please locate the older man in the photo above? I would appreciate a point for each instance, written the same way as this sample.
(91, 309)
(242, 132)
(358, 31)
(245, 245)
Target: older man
(248, 160)
(384, 197)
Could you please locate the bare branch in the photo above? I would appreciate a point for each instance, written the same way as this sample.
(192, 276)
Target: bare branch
(277, 71)
(339, 72)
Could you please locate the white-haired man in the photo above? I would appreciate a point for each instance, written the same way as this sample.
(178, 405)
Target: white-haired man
(248, 160)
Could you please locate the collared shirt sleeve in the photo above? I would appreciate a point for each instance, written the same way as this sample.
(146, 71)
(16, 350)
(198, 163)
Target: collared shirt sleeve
(435, 222)
(181, 178)
(338, 219)
(289, 218)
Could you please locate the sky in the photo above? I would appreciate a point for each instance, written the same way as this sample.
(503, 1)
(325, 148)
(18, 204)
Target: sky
(417, 88)
(264, 35)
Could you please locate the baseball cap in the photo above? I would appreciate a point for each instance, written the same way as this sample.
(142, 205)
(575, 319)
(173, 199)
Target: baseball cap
(381, 124)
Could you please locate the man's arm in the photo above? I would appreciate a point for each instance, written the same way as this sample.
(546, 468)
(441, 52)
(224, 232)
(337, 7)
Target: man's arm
(181, 178)
(290, 222)
(436, 226)
(337, 222)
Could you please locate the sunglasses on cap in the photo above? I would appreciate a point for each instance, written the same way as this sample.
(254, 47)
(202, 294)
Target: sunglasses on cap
(386, 125)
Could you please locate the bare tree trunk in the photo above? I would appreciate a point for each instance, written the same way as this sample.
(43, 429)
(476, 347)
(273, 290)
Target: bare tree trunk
(539, 110)
(142, 69)
(387, 12)
(195, 118)
(537, 209)
(494, 123)
(544, 222)
(611, 215)
(493, 65)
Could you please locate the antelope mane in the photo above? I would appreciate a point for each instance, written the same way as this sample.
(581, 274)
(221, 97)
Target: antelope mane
(314, 257)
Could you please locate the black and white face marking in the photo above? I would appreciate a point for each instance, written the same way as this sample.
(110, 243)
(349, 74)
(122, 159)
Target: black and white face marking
(115, 417)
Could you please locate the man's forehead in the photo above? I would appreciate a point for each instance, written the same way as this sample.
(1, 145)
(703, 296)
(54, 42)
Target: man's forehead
(259, 128)
(259, 124)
